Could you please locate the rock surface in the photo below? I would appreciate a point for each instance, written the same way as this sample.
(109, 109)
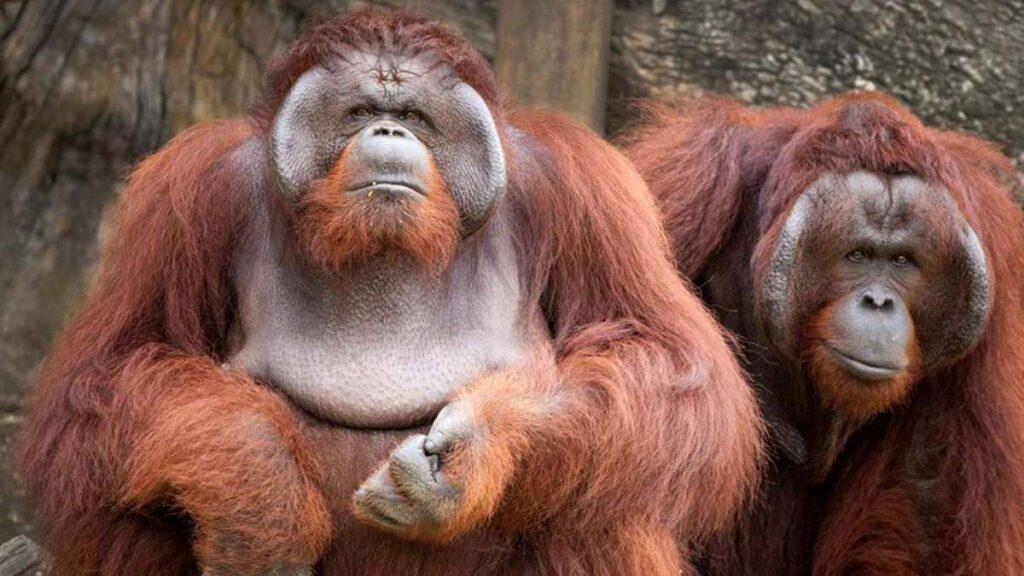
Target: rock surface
(20, 556)
(957, 63)
(87, 87)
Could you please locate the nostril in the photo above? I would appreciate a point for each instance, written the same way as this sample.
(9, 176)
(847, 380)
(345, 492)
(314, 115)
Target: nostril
(388, 131)
(868, 301)
(884, 303)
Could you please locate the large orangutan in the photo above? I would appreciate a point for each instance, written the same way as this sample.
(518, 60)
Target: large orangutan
(873, 269)
(383, 250)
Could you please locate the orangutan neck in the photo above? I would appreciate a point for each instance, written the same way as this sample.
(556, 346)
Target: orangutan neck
(382, 344)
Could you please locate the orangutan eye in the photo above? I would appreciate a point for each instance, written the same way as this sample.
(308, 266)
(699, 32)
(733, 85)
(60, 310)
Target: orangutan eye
(412, 116)
(857, 256)
(902, 260)
(360, 113)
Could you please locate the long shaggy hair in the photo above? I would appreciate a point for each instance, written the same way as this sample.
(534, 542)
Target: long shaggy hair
(961, 429)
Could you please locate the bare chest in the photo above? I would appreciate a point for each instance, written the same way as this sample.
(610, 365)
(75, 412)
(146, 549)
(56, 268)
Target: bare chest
(383, 345)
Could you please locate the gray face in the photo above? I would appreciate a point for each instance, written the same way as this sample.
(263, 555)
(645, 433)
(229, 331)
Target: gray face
(366, 99)
(895, 262)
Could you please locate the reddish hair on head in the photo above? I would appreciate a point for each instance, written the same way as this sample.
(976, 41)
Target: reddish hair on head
(401, 31)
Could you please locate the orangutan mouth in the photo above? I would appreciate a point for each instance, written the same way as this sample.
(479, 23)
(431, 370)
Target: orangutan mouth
(388, 190)
(861, 368)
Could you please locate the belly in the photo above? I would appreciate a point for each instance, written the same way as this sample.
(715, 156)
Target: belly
(376, 379)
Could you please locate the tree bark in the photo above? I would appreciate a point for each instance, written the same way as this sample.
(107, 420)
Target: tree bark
(957, 63)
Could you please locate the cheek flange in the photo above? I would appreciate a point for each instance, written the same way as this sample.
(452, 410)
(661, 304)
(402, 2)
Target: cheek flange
(778, 305)
(301, 140)
(468, 154)
(951, 317)
(971, 310)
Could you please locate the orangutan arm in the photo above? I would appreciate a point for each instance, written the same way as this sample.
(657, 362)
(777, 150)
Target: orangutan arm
(133, 410)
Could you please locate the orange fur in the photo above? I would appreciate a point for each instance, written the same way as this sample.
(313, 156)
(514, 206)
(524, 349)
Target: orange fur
(337, 229)
(132, 414)
(200, 449)
(934, 484)
(645, 377)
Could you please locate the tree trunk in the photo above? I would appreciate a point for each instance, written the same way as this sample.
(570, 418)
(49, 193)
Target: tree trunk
(554, 55)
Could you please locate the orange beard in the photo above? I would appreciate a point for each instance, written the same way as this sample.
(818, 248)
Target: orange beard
(848, 401)
(853, 399)
(336, 228)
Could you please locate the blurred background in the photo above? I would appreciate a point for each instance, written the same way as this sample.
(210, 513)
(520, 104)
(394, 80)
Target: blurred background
(87, 87)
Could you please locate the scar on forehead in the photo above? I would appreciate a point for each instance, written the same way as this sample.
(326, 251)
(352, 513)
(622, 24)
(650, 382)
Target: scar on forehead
(389, 70)
(386, 75)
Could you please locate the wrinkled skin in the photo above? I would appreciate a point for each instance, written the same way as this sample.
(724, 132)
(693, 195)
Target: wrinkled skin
(412, 490)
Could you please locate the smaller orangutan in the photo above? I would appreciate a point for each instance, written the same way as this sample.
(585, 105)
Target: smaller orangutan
(386, 327)
(873, 269)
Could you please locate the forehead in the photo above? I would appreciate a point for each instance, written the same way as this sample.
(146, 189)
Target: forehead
(391, 76)
(893, 207)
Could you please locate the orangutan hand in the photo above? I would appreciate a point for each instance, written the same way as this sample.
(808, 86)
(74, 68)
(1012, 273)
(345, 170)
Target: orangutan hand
(437, 486)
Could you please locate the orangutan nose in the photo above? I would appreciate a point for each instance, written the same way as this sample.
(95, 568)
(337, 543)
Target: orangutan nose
(879, 300)
(388, 128)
